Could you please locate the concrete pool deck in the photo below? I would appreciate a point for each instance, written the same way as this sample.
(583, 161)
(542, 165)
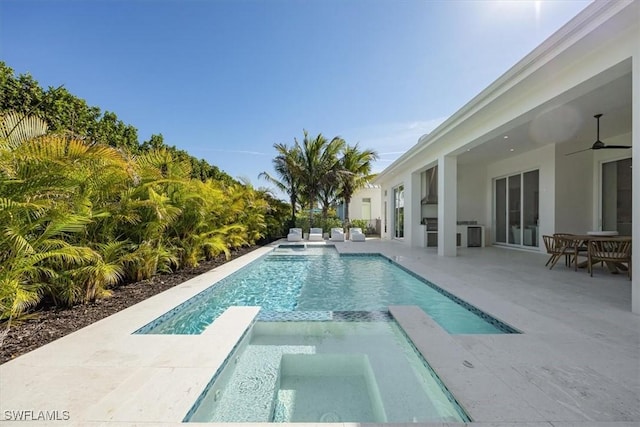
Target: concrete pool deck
(577, 362)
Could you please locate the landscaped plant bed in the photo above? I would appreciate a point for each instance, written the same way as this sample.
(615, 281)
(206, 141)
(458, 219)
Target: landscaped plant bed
(50, 323)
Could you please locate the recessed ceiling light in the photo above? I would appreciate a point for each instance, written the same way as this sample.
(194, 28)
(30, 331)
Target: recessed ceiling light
(506, 137)
(468, 149)
(511, 149)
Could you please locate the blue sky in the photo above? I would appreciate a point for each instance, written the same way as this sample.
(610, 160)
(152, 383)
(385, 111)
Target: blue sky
(225, 80)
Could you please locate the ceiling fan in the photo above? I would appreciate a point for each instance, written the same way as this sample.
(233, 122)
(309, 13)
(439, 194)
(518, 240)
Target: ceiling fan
(599, 145)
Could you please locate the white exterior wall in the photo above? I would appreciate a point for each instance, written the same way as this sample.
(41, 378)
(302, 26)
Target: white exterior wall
(472, 190)
(355, 207)
(574, 190)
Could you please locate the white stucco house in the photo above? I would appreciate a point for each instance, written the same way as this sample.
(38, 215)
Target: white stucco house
(366, 204)
(503, 160)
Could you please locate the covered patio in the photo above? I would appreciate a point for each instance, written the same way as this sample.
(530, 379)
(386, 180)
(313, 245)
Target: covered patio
(518, 158)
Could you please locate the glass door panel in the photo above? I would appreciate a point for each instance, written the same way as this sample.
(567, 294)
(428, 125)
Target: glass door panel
(616, 196)
(530, 200)
(501, 210)
(515, 232)
(398, 208)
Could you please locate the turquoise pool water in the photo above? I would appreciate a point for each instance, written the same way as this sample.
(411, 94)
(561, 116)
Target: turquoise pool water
(320, 280)
(348, 371)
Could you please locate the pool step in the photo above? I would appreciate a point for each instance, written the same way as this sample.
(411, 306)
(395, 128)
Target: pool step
(327, 388)
(250, 393)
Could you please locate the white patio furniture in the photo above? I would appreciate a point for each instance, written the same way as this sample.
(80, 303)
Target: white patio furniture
(295, 235)
(315, 234)
(356, 234)
(337, 235)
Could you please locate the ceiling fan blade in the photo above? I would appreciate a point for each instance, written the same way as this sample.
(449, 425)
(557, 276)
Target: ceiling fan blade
(617, 146)
(598, 145)
(579, 151)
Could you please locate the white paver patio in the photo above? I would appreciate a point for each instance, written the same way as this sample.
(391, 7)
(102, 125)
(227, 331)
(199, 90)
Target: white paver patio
(577, 362)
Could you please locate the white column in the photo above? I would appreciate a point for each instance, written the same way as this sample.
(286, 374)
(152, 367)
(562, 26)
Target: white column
(409, 210)
(635, 203)
(447, 205)
(414, 213)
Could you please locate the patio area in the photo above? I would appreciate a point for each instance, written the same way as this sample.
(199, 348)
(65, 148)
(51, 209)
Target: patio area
(577, 361)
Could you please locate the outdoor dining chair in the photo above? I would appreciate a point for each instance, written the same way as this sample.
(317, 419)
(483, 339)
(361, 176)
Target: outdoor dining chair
(575, 245)
(557, 247)
(615, 253)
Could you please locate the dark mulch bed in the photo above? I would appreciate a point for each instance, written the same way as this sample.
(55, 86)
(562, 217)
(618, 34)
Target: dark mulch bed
(50, 323)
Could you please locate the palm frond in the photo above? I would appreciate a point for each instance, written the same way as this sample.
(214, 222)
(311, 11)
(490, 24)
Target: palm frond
(16, 128)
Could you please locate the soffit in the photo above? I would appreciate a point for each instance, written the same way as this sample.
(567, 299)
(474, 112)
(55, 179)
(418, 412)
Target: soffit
(560, 122)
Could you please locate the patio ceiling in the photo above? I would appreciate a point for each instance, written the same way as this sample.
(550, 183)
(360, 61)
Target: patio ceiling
(562, 120)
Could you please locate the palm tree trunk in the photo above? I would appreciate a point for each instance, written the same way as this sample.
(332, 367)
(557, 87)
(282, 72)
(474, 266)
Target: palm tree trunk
(293, 213)
(347, 221)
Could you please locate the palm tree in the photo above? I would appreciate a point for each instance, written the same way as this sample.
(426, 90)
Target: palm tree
(288, 170)
(356, 171)
(319, 164)
(329, 195)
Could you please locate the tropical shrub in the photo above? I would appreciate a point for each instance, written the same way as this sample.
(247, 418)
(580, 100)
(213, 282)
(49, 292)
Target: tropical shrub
(360, 223)
(77, 218)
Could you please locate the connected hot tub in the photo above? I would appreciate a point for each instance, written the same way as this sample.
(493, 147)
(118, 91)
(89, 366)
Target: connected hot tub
(316, 371)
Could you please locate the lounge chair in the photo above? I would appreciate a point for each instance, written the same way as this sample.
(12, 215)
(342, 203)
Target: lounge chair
(356, 234)
(315, 234)
(295, 235)
(337, 235)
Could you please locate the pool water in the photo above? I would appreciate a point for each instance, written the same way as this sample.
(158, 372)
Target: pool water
(326, 372)
(321, 280)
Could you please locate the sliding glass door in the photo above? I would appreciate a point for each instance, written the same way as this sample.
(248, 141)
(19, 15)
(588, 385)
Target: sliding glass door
(516, 204)
(398, 212)
(616, 196)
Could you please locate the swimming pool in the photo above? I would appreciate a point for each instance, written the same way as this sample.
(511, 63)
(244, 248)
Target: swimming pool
(349, 371)
(298, 279)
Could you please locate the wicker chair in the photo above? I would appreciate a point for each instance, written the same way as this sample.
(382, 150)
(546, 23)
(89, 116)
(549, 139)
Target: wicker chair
(615, 253)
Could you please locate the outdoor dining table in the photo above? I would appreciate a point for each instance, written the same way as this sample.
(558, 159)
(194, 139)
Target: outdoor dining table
(584, 239)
